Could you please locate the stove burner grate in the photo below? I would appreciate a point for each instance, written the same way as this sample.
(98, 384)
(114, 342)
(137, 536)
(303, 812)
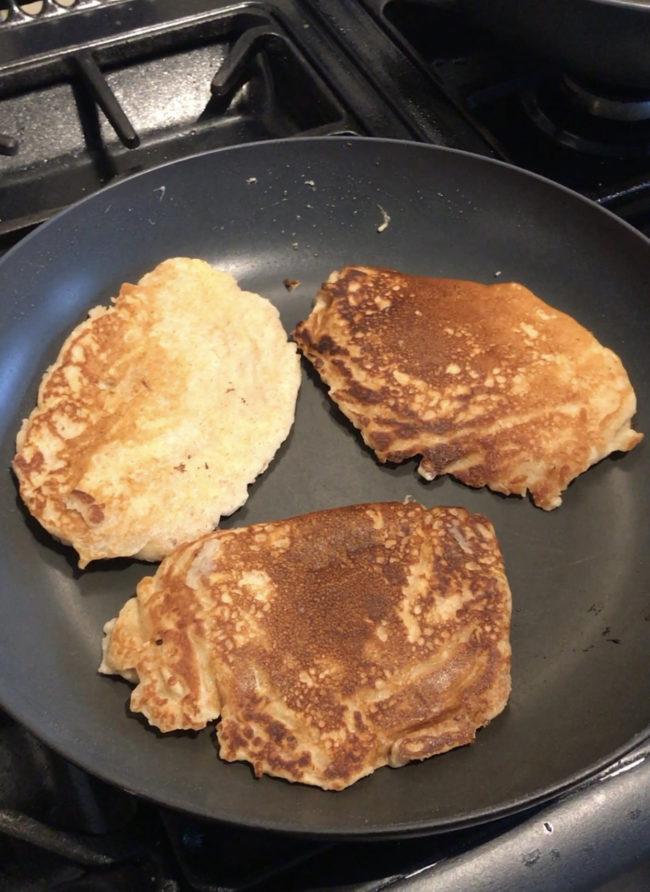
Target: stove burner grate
(75, 119)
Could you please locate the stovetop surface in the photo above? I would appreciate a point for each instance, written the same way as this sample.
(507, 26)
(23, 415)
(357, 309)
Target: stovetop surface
(159, 80)
(59, 823)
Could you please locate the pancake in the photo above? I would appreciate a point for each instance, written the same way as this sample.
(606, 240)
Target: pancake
(157, 414)
(487, 383)
(330, 644)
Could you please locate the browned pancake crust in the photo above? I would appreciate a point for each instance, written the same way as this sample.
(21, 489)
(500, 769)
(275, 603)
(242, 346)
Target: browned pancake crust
(485, 382)
(157, 414)
(330, 644)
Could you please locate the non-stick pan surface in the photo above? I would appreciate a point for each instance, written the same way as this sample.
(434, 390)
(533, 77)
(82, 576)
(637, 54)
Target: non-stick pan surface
(580, 575)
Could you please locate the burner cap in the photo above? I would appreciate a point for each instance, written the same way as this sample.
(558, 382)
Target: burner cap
(590, 118)
(613, 105)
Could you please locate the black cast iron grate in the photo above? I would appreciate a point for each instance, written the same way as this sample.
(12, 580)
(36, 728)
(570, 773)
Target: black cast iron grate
(74, 119)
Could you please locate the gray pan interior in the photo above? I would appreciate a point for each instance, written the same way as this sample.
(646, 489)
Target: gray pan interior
(580, 575)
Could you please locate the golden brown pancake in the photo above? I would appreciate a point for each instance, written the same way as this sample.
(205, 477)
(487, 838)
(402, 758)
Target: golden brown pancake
(330, 644)
(484, 382)
(157, 414)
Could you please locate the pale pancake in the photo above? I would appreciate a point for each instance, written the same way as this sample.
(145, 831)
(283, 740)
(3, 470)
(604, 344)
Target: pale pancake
(485, 382)
(330, 644)
(158, 413)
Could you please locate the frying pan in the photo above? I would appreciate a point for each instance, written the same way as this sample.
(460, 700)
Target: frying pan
(580, 575)
(601, 41)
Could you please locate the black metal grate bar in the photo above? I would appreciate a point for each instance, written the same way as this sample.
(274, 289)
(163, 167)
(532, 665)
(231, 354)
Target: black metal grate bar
(67, 845)
(104, 97)
(233, 71)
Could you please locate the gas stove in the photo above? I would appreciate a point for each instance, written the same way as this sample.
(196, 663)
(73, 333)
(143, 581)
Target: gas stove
(92, 91)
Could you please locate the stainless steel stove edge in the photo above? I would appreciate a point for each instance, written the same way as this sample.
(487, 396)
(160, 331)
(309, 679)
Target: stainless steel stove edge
(595, 838)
